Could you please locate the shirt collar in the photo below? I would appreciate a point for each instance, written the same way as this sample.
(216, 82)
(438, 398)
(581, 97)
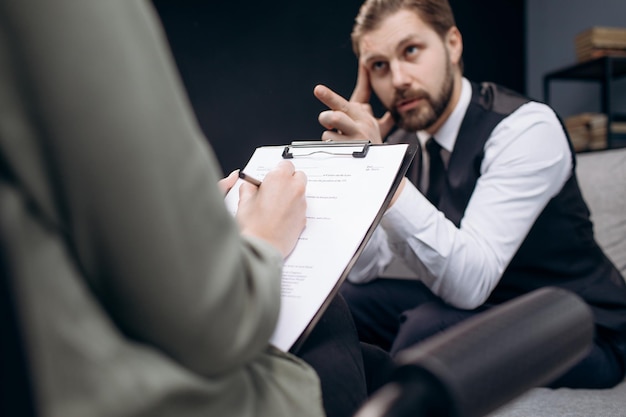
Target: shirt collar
(446, 135)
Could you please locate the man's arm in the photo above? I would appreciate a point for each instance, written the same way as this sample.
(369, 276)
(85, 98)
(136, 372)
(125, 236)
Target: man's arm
(527, 161)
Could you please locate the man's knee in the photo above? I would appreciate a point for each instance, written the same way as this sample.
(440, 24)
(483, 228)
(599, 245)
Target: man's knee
(354, 294)
(371, 313)
(360, 301)
(425, 321)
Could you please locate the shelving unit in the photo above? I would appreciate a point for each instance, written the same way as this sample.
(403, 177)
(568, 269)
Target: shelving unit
(604, 70)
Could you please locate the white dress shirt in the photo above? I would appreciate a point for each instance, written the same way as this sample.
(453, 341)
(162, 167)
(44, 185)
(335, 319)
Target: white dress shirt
(527, 161)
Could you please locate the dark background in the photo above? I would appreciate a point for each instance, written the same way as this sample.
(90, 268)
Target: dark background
(250, 67)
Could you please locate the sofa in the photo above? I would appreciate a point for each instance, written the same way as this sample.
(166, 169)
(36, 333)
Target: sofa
(602, 178)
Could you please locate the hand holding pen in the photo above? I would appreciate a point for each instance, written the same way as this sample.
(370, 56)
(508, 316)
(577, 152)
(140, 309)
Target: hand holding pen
(249, 178)
(275, 211)
(228, 182)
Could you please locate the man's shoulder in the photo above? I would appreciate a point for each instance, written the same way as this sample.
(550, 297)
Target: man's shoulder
(401, 136)
(497, 98)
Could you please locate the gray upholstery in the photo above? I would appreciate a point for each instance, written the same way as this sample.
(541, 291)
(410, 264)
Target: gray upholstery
(602, 177)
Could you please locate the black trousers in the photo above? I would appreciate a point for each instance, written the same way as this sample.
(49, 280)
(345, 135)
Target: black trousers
(396, 314)
(348, 369)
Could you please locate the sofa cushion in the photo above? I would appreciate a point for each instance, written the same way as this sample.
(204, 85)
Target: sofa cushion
(565, 402)
(602, 178)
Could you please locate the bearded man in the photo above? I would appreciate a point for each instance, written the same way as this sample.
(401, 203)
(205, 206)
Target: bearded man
(491, 208)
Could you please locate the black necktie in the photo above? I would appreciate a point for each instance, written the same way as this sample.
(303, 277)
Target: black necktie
(436, 175)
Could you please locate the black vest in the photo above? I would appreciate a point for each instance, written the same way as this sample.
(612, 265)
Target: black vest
(560, 249)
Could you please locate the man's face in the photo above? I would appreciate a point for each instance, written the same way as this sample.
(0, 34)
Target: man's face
(410, 69)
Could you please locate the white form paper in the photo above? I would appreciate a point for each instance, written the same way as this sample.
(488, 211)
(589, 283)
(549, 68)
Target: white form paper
(344, 195)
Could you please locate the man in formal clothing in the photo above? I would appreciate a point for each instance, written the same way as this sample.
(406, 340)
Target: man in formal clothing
(491, 208)
(138, 293)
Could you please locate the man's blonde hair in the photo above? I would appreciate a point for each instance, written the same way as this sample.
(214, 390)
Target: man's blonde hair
(436, 13)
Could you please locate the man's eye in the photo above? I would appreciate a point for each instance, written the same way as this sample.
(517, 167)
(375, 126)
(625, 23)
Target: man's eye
(379, 66)
(412, 50)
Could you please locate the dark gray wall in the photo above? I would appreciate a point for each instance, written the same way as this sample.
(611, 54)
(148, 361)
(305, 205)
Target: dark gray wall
(551, 28)
(250, 66)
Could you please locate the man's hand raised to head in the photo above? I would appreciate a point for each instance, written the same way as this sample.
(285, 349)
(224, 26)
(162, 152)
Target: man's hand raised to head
(354, 119)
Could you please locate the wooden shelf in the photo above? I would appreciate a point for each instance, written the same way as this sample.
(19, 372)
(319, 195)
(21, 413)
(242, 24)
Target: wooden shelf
(594, 70)
(603, 70)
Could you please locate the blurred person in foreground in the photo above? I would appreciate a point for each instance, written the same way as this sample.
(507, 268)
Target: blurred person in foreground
(138, 293)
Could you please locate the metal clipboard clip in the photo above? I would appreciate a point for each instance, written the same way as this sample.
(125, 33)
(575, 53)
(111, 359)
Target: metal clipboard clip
(320, 147)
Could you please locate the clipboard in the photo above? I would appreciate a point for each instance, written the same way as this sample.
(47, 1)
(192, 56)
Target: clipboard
(356, 148)
(317, 156)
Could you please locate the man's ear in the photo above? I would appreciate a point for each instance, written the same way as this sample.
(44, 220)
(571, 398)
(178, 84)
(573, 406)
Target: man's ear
(454, 42)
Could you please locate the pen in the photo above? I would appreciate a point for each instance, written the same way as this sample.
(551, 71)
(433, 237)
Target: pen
(248, 178)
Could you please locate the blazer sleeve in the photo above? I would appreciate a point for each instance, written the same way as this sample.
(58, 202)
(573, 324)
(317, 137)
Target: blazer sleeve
(133, 184)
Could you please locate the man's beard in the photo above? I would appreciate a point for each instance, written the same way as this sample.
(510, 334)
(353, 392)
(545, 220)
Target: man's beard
(426, 115)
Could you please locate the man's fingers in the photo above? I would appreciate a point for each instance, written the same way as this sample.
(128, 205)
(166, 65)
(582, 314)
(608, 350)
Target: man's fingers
(327, 119)
(332, 119)
(362, 91)
(333, 100)
(330, 135)
(343, 115)
(352, 119)
(386, 123)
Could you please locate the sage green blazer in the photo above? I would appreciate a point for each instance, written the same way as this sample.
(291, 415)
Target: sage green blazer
(137, 295)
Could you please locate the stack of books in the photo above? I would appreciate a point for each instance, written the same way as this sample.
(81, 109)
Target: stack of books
(600, 41)
(587, 131)
(618, 131)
